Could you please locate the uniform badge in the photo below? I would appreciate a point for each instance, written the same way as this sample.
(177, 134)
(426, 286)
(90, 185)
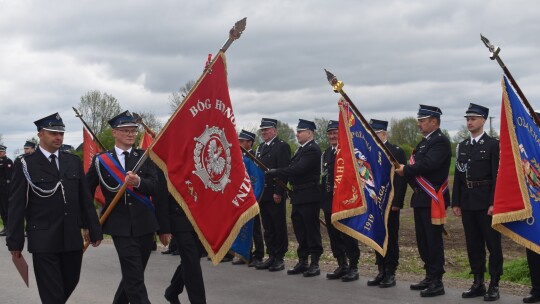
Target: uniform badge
(135, 153)
(212, 157)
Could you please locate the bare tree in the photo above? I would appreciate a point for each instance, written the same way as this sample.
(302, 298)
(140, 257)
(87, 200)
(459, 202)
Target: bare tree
(176, 98)
(462, 134)
(97, 109)
(320, 133)
(151, 121)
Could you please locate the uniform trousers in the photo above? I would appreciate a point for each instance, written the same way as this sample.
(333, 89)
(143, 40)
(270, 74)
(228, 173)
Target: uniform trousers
(258, 242)
(305, 220)
(57, 274)
(479, 234)
(133, 253)
(390, 261)
(341, 243)
(429, 239)
(188, 273)
(274, 220)
(4, 207)
(533, 259)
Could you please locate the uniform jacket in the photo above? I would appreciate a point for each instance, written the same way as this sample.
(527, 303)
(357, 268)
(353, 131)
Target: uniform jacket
(130, 217)
(53, 225)
(432, 161)
(6, 168)
(277, 155)
(327, 182)
(304, 173)
(476, 163)
(400, 184)
(174, 218)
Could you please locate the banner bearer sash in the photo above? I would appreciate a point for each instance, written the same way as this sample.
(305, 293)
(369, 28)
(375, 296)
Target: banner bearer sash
(199, 152)
(119, 174)
(438, 207)
(242, 245)
(517, 193)
(363, 189)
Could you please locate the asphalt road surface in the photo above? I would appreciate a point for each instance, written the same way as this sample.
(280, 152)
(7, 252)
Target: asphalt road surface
(225, 284)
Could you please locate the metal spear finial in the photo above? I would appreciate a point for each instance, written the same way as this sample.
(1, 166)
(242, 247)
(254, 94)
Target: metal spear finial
(494, 50)
(238, 29)
(334, 82)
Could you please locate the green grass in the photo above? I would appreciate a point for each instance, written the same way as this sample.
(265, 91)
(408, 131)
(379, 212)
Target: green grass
(516, 271)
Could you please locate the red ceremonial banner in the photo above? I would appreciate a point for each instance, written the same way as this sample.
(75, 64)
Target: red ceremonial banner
(199, 152)
(90, 149)
(146, 141)
(347, 199)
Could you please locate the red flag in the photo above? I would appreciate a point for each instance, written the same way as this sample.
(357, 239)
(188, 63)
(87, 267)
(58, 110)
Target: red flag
(199, 152)
(146, 140)
(90, 149)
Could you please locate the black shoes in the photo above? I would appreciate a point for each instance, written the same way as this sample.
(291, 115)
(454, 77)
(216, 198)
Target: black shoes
(338, 273)
(389, 280)
(352, 275)
(435, 288)
(532, 298)
(169, 296)
(254, 262)
(176, 252)
(492, 293)
(312, 271)
(421, 285)
(266, 264)
(377, 279)
(278, 265)
(478, 289)
(299, 268)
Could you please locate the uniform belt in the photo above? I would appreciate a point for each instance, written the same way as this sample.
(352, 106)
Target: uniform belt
(476, 184)
(304, 186)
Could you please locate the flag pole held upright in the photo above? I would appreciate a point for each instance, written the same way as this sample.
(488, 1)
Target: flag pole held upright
(78, 114)
(338, 88)
(494, 55)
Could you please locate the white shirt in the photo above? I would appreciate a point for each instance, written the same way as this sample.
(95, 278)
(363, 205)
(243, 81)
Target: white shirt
(48, 155)
(121, 156)
(477, 138)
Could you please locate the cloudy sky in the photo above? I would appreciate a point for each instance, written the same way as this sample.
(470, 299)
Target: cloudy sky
(392, 56)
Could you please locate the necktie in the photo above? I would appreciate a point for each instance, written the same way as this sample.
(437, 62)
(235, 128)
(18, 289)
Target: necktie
(473, 142)
(53, 161)
(126, 157)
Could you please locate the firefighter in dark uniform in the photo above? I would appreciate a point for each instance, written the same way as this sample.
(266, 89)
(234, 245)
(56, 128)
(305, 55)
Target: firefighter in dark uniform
(273, 153)
(304, 173)
(344, 248)
(189, 273)
(29, 147)
(432, 157)
(132, 223)
(533, 259)
(246, 140)
(477, 163)
(6, 167)
(387, 265)
(56, 208)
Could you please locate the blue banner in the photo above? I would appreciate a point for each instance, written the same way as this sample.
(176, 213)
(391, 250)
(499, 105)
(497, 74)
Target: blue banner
(374, 172)
(242, 244)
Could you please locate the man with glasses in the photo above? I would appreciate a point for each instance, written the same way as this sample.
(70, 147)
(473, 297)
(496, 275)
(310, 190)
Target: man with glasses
(133, 221)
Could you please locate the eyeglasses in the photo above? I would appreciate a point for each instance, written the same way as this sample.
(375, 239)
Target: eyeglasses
(128, 132)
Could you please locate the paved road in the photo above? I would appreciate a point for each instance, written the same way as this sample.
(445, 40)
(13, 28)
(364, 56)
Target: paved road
(224, 284)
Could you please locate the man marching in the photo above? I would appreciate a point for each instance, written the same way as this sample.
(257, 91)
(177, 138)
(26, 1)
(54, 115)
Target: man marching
(50, 192)
(133, 221)
(6, 166)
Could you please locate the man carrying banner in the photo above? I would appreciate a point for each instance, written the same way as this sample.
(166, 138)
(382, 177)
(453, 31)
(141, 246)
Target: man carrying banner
(133, 221)
(342, 245)
(304, 173)
(50, 192)
(274, 153)
(246, 140)
(387, 265)
(427, 173)
(477, 163)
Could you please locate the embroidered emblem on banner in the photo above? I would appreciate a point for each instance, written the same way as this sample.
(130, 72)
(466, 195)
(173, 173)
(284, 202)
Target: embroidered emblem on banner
(212, 157)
